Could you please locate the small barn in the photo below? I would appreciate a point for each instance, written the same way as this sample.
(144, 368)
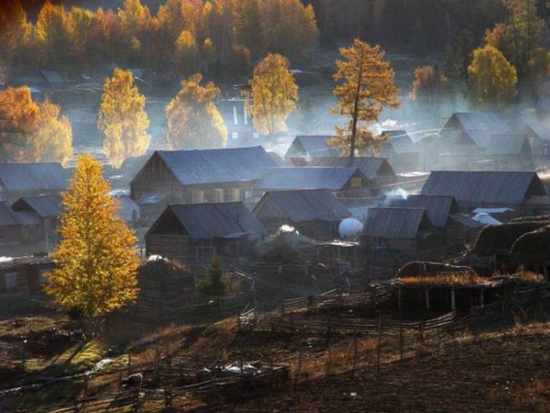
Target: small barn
(191, 231)
(486, 189)
(305, 147)
(400, 151)
(30, 179)
(315, 213)
(343, 181)
(399, 229)
(45, 209)
(376, 170)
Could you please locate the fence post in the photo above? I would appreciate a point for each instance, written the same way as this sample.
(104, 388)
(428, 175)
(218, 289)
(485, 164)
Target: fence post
(354, 363)
(401, 338)
(379, 347)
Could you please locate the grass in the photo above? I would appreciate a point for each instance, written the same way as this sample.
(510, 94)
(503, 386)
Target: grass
(460, 279)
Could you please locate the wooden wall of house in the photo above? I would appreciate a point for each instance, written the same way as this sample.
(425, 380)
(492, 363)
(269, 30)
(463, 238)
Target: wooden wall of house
(169, 246)
(459, 235)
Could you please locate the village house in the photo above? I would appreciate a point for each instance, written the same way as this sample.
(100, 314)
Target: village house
(400, 151)
(313, 213)
(240, 130)
(509, 152)
(197, 176)
(30, 179)
(192, 231)
(472, 129)
(538, 134)
(11, 228)
(485, 189)
(377, 170)
(306, 147)
(23, 275)
(342, 181)
(45, 209)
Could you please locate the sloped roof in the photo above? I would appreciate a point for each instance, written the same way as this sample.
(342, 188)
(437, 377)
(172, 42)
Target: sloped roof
(52, 77)
(400, 141)
(301, 206)
(308, 177)
(394, 223)
(507, 144)
(439, 207)
(314, 146)
(484, 186)
(209, 221)
(465, 220)
(216, 165)
(372, 168)
(33, 176)
(479, 121)
(7, 216)
(46, 206)
(541, 129)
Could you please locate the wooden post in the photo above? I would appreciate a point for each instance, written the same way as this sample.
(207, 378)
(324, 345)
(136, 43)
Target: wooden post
(482, 297)
(453, 300)
(399, 298)
(401, 339)
(427, 293)
(354, 363)
(379, 347)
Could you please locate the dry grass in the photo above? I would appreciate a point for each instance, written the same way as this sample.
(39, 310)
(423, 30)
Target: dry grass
(445, 279)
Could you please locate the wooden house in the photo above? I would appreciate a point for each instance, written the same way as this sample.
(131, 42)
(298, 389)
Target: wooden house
(197, 176)
(401, 151)
(399, 229)
(186, 232)
(509, 152)
(377, 170)
(30, 179)
(23, 275)
(45, 210)
(314, 213)
(342, 181)
(486, 189)
(538, 134)
(11, 227)
(306, 147)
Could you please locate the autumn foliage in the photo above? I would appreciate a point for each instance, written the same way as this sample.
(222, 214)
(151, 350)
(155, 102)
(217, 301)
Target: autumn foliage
(96, 259)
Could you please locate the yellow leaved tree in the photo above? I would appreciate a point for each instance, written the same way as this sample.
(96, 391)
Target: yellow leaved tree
(96, 260)
(492, 79)
(273, 95)
(194, 121)
(365, 87)
(122, 118)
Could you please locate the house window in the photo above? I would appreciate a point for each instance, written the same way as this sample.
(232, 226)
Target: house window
(235, 135)
(10, 280)
(197, 197)
(356, 182)
(228, 195)
(215, 195)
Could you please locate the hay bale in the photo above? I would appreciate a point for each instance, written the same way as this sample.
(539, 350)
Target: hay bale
(427, 268)
(532, 247)
(500, 238)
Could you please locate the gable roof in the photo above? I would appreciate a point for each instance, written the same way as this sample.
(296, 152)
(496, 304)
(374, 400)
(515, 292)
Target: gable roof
(204, 166)
(312, 145)
(484, 186)
(400, 142)
(8, 218)
(33, 176)
(541, 129)
(52, 77)
(491, 121)
(394, 223)
(438, 207)
(46, 206)
(372, 168)
(209, 221)
(301, 206)
(307, 177)
(507, 144)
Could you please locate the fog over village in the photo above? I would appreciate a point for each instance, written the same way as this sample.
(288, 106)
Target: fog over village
(274, 206)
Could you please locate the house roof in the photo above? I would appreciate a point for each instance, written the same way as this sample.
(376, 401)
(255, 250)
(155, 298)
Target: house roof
(479, 121)
(400, 141)
(439, 207)
(46, 206)
(209, 221)
(372, 168)
(465, 220)
(301, 206)
(308, 177)
(216, 165)
(394, 223)
(313, 145)
(33, 176)
(507, 144)
(541, 129)
(484, 186)
(7, 216)
(52, 77)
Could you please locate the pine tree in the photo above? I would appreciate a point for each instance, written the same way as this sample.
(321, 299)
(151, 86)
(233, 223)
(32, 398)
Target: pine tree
(96, 259)
(123, 119)
(216, 284)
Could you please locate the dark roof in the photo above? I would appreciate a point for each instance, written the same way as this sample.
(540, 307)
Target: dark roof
(507, 144)
(7, 216)
(312, 145)
(209, 221)
(46, 206)
(400, 142)
(465, 220)
(52, 77)
(484, 187)
(33, 176)
(372, 168)
(478, 121)
(301, 206)
(394, 223)
(216, 165)
(439, 207)
(308, 177)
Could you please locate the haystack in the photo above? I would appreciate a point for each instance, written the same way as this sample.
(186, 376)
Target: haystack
(533, 247)
(427, 268)
(499, 239)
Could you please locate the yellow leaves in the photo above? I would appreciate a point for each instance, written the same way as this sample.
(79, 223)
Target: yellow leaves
(96, 259)
(492, 78)
(194, 121)
(122, 118)
(274, 94)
